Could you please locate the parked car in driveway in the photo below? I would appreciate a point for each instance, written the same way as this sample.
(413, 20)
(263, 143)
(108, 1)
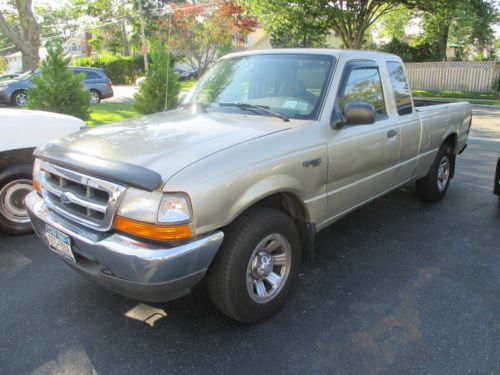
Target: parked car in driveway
(21, 131)
(269, 148)
(184, 75)
(14, 91)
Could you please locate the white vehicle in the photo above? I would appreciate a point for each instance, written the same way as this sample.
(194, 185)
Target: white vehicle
(21, 132)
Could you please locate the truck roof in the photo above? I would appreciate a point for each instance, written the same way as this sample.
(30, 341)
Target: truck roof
(360, 54)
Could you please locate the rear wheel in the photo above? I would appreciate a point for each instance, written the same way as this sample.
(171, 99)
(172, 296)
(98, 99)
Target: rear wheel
(95, 97)
(19, 99)
(15, 184)
(433, 187)
(254, 270)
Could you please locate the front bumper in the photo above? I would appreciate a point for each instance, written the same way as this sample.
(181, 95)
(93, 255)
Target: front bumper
(140, 270)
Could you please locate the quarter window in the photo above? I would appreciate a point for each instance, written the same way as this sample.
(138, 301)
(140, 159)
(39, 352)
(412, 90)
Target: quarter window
(92, 75)
(365, 85)
(400, 88)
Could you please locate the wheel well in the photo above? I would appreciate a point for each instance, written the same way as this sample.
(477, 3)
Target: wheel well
(97, 91)
(291, 205)
(11, 157)
(452, 141)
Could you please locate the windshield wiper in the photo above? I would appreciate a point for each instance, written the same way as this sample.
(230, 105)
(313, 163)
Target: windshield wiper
(250, 107)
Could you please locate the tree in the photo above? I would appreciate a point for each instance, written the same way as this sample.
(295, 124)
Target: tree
(202, 33)
(463, 21)
(392, 25)
(112, 17)
(56, 88)
(24, 33)
(153, 95)
(308, 22)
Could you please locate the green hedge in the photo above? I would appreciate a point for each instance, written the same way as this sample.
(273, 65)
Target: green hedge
(120, 69)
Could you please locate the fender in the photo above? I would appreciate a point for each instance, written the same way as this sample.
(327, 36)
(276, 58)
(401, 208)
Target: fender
(264, 188)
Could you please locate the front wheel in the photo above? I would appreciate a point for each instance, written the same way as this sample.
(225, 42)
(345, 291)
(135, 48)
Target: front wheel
(19, 99)
(15, 184)
(255, 268)
(433, 187)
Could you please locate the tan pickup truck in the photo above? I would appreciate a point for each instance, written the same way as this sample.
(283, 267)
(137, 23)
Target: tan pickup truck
(269, 148)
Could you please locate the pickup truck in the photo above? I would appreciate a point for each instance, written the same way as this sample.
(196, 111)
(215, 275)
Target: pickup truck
(269, 148)
(21, 132)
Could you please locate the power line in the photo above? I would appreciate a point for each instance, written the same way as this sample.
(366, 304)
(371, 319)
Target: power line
(159, 11)
(156, 11)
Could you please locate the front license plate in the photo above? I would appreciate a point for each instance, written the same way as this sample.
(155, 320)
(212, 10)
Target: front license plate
(59, 243)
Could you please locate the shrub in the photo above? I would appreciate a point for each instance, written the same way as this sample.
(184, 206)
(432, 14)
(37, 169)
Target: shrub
(150, 97)
(120, 69)
(419, 52)
(57, 89)
(3, 64)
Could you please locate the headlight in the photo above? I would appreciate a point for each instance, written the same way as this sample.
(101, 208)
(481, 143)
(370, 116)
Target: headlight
(140, 205)
(36, 175)
(174, 208)
(155, 215)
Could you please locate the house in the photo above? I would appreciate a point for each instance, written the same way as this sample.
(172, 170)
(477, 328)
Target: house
(75, 47)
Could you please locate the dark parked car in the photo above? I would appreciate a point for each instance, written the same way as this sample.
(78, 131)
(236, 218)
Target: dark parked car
(14, 91)
(496, 188)
(184, 75)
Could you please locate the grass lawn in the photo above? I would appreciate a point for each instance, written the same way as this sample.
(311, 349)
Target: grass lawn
(105, 113)
(186, 85)
(456, 94)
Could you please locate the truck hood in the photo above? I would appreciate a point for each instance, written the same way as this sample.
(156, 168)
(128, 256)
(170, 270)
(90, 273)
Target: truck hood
(169, 141)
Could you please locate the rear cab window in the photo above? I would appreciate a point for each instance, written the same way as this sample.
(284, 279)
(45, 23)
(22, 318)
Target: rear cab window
(400, 86)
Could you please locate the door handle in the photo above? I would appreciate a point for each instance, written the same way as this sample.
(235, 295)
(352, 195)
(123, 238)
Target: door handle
(392, 133)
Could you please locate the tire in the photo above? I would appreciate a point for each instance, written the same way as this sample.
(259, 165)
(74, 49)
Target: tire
(433, 187)
(19, 99)
(247, 261)
(15, 183)
(95, 97)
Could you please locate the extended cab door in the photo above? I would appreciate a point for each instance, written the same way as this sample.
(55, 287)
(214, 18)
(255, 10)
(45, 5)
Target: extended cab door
(409, 122)
(362, 158)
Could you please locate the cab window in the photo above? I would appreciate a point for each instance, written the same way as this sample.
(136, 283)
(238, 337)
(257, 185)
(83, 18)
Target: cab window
(363, 85)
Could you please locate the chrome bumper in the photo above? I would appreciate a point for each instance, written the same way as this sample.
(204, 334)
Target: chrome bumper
(141, 270)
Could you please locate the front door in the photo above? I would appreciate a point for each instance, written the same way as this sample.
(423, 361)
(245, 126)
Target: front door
(362, 158)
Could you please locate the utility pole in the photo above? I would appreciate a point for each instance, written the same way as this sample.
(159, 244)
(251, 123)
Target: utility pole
(168, 58)
(143, 37)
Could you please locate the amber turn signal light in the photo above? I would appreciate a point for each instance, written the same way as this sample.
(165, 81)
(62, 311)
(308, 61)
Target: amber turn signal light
(152, 231)
(36, 185)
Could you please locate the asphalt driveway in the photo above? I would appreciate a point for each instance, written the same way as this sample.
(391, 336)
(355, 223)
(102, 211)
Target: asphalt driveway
(398, 286)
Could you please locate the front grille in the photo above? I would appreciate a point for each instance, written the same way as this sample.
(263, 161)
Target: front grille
(87, 200)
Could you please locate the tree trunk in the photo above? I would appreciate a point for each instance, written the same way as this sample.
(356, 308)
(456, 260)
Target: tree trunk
(28, 40)
(126, 49)
(30, 56)
(88, 47)
(443, 41)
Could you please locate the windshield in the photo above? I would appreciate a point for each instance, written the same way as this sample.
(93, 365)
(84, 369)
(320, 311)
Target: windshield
(25, 75)
(291, 85)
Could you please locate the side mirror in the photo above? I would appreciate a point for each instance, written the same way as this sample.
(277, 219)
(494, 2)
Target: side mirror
(358, 113)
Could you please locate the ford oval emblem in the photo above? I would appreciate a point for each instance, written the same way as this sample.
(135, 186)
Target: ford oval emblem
(65, 199)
